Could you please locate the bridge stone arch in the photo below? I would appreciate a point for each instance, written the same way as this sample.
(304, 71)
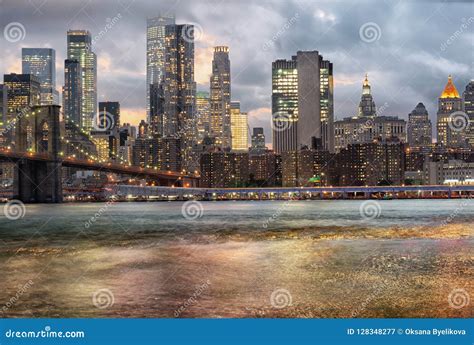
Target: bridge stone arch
(39, 180)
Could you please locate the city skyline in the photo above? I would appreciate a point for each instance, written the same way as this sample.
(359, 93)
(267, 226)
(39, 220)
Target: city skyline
(421, 80)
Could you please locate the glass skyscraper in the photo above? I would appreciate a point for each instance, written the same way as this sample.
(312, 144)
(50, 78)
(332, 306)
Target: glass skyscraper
(220, 98)
(41, 62)
(79, 47)
(155, 55)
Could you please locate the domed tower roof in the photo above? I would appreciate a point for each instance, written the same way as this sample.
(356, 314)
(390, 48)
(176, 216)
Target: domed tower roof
(450, 90)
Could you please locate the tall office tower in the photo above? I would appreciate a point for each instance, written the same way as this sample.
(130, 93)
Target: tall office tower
(156, 109)
(302, 103)
(109, 115)
(468, 108)
(284, 104)
(448, 103)
(367, 105)
(179, 94)
(202, 116)
(79, 47)
(155, 55)
(327, 105)
(258, 141)
(72, 93)
(23, 92)
(239, 128)
(220, 98)
(3, 105)
(41, 62)
(419, 128)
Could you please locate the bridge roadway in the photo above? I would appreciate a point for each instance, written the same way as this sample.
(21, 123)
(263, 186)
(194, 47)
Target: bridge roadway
(425, 191)
(168, 177)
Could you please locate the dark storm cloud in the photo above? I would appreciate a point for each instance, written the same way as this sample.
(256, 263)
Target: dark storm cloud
(417, 45)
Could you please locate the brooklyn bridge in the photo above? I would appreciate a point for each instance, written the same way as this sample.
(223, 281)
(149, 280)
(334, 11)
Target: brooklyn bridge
(39, 160)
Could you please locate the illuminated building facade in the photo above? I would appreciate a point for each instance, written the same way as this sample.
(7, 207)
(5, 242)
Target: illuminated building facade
(367, 105)
(72, 93)
(419, 128)
(23, 92)
(302, 103)
(203, 107)
(239, 128)
(41, 62)
(468, 108)
(79, 47)
(449, 103)
(220, 96)
(258, 141)
(155, 56)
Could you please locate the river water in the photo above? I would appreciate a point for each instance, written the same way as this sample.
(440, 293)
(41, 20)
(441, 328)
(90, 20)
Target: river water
(390, 258)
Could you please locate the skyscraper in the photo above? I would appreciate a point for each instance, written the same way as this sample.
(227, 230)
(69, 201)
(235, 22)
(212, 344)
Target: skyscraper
(220, 93)
(41, 62)
(448, 103)
(302, 97)
(79, 47)
(284, 104)
(23, 92)
(3, 104)
(468, 108)
(202, 116)
(179, 95)
(419, 127)
(72, 93)
(155, 54)
(367, 105)
(109, 115)
(239, 128)
(258, 141)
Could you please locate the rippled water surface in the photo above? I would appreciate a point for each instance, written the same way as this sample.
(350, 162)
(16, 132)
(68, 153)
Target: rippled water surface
(239, 259)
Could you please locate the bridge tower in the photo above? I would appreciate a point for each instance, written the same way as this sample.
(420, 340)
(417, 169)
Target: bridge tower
(39, 179)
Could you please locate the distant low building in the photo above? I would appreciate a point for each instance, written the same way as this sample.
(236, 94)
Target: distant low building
(224, 169)
(454, 172)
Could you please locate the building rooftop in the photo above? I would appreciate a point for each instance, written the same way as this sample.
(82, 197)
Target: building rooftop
(450, 90)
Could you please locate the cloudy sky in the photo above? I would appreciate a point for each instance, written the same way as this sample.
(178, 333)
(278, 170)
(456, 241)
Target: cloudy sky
(407, 47)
